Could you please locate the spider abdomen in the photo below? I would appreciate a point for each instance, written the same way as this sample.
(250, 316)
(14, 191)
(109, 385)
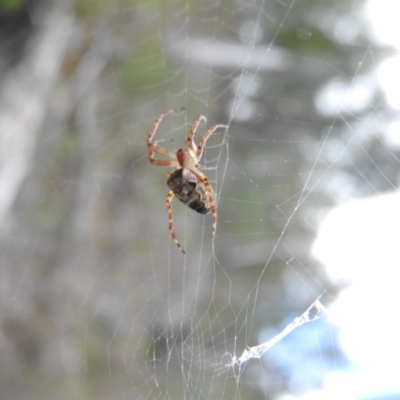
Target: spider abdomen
(189, 189)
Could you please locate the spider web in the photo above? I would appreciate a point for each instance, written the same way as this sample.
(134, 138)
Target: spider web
(96, 299)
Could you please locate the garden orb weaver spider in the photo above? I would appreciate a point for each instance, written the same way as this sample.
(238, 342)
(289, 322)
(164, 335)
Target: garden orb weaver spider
(187, 183)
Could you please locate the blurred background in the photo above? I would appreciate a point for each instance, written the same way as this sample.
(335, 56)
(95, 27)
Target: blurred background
(96, 301)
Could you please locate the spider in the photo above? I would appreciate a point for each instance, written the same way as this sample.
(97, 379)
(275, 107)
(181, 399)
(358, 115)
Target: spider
(187, 183)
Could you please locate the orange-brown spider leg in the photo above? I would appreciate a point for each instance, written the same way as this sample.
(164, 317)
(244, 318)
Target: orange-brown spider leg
(165, 163)
(153, 148)
(189, 141)
(211, 201)
(170, 195)
(202, 141)
(157, 122)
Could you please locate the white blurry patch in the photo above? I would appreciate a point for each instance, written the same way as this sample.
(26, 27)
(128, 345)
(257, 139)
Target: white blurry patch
(361, 238)
(347, 29)
(251, 32)
(359, 243)
(383, 21)
(245, 112)
(341, 96)
(389, 78)
(392, 134)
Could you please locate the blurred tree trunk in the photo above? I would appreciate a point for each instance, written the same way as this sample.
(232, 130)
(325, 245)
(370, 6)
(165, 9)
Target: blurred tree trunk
(25, 92)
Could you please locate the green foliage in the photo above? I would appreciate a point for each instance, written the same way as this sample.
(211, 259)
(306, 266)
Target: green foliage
(305, 41)
(144, 67)
(92, 8)
(10, 5)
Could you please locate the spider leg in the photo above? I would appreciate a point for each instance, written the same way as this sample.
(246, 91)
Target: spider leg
(159, 150)
(211, 201)
(189, 141)
(202, 141)
(153, 148)
(157, 122)
(170, 195)
(205, 167)
(164, 163)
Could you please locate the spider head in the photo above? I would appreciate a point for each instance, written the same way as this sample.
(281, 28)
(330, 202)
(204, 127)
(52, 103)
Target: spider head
(186, 158)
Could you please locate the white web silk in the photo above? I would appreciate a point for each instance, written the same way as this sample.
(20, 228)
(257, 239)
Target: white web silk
(314, 312)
